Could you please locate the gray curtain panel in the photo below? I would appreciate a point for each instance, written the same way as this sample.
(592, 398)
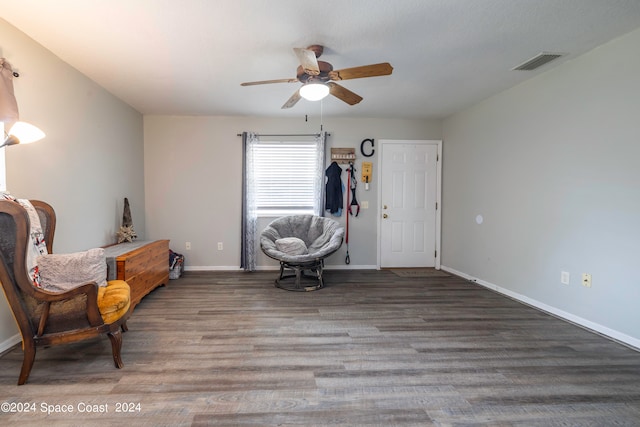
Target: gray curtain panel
(319, 191)
(8, 103)
(249, 217)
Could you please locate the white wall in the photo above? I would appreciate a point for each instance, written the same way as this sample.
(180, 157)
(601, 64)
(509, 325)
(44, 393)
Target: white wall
(552, 165)
(193, 176)
(90, 160)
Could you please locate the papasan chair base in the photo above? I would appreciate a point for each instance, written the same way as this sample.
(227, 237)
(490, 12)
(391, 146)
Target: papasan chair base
(313, 282)
(301, 243)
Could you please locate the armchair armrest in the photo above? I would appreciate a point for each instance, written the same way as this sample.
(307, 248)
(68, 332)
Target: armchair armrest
(89, 289)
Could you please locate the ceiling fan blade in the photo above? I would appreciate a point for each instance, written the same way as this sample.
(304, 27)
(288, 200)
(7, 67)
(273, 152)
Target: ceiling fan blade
(308, 61)
(293, 100)
(343, 93)
(264, 82)
(382, 69)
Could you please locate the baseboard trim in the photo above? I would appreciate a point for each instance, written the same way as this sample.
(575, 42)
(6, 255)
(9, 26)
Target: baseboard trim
(273, 267)
(9, 343)
(211, 268)
(612, 334)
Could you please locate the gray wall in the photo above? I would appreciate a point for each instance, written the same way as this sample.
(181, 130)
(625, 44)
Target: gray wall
(552, 165)
(90, 160)
(193, 176)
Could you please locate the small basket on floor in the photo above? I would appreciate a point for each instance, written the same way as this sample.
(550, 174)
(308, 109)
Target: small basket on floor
(176, 265)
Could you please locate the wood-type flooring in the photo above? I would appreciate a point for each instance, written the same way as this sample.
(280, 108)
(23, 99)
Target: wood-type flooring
(371, 348)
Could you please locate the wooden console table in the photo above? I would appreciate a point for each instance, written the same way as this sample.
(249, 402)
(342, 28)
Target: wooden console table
(143, 265)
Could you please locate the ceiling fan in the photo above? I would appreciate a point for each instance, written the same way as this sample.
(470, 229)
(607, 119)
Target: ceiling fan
(321, 75)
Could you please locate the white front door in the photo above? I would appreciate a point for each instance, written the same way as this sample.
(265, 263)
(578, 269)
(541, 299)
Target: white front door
(409, 191)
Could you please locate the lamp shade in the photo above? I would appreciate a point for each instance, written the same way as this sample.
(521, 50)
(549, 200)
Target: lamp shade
(26, 132)
(23, 133)
(314, 91)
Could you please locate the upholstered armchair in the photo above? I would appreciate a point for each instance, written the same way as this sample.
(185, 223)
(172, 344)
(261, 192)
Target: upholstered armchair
(299, 243)
(45, 317)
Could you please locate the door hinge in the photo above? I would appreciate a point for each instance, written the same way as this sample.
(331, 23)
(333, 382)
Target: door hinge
(436, 205)
(435, 254)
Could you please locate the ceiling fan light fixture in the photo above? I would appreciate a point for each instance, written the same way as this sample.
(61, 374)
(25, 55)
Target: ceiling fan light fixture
(314, 91)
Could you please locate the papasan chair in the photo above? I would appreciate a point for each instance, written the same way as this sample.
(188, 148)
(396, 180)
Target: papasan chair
(299, 243)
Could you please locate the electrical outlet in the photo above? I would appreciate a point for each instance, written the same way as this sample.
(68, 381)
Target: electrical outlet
(187, 246)
(220, 246)
(364, 204)
(586, 280)
(565, 277)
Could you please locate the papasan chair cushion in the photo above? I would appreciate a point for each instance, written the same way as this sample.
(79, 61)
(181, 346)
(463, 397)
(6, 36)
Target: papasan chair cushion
(301, 242)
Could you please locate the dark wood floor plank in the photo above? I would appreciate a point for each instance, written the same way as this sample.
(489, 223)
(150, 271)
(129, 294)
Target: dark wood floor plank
(372, 348)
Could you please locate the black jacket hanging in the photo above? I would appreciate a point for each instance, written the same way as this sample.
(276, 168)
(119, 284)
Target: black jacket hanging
(333, 193)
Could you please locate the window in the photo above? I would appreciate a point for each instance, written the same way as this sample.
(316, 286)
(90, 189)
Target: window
(285, 175)
(279, 178)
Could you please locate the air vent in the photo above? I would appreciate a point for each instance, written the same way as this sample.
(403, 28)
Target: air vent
(538, 61)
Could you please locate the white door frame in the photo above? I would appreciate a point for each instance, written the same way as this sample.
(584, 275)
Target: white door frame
(381, 144)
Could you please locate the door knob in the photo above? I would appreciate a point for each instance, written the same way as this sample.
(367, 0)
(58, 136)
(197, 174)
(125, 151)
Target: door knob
(384, 207)
(385, 216)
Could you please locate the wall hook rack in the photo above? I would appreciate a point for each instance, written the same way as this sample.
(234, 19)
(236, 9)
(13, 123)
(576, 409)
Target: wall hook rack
(343, 156)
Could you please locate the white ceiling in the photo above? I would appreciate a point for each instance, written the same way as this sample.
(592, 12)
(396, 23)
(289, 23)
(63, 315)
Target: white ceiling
(188, 57)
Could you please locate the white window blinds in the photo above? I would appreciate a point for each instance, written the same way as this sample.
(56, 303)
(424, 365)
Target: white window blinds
(285, 173)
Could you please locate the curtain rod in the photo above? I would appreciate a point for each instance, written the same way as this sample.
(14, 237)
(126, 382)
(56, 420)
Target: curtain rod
(288, 134)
